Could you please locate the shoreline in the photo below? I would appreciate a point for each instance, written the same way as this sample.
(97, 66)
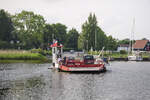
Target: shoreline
(47, 60)
(126, 59)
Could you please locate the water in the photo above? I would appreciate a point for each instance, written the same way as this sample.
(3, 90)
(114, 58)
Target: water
(122, 81)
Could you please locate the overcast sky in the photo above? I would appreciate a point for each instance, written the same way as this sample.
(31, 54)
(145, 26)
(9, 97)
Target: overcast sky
(115, 17)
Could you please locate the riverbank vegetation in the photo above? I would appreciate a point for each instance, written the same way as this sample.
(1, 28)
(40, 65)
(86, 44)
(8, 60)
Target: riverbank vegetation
(110, 54)
(21, 55)
(121, 54)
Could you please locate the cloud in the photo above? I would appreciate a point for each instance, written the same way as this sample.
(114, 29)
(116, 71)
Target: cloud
(114, 16)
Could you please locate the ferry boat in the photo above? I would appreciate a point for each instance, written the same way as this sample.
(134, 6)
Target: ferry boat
(87, 63)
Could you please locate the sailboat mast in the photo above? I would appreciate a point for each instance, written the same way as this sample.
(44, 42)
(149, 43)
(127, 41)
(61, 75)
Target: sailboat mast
(132, 36)
(132, 33)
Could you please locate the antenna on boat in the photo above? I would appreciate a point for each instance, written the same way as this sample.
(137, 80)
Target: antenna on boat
(101, 52)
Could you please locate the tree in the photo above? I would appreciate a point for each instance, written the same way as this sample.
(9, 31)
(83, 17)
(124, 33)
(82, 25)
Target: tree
(48, 32)
(6, 26)
(124, 41)
(92, 36)
(47, 36)
(72, 39)
(29, 28)
(88, 32)
(59, 32)
(101, 39)
(111, 43)
(81, 42)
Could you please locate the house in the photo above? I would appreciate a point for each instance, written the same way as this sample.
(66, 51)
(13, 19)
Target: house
(123, 47)
(141, 45)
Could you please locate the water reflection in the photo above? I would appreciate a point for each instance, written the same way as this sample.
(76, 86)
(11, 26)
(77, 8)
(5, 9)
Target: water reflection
(67, 86)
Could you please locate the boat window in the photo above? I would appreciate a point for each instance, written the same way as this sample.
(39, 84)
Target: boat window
(88, 57)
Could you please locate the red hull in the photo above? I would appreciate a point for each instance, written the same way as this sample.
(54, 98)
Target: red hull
(89, 67)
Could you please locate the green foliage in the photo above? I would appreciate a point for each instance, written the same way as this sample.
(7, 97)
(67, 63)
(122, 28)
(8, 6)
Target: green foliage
(93, 36)
(43, 52)
(110, 54)
(72, 39)
(101, 39)
(29, 28)
(6, 26)
(48, 35)
(4, 44)
(124, 41)
(111, 43)
(6, 30)
(59, 32)
(81, 42)
(118, 55)
(123, 52)
(89, 29)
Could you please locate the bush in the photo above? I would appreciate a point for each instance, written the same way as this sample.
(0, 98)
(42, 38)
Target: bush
(36, 50)
(4, 45)
(43, 52)
(123, 52)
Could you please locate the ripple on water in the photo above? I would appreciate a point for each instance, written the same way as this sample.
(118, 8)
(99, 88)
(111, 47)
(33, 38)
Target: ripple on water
(122, 81)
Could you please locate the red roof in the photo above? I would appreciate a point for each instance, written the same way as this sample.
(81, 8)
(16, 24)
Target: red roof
(140, 44)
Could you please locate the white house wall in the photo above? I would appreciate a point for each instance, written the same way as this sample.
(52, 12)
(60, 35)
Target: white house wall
(122, 48)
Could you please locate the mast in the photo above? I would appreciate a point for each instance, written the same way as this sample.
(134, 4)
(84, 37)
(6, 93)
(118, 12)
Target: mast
(132, 35)
(131, 38)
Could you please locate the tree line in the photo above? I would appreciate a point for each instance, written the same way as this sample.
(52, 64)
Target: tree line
(27, 30)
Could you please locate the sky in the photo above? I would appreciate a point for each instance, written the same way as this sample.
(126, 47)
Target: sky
(115, 17)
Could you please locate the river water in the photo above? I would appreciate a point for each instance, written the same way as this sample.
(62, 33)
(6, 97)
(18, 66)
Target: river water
(122, 81)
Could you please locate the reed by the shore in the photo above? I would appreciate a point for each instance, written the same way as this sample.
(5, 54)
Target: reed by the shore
(20, 55)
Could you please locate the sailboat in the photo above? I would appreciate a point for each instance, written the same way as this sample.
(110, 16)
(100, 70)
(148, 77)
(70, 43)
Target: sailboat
(135, 55)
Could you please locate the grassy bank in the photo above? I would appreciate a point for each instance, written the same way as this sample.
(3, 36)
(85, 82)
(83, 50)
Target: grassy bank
(110, 54)
(118, 54)
(18, 55)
